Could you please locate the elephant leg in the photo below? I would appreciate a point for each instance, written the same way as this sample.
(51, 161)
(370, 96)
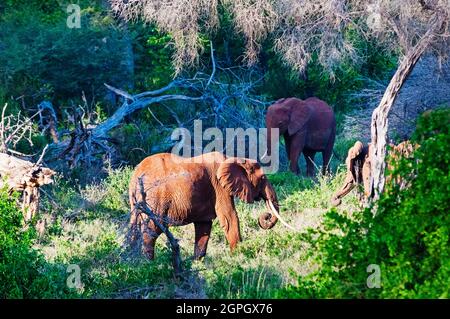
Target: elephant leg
(296, 147)
(202, 233)
(150, 234)
(229, 222)
(309, 157)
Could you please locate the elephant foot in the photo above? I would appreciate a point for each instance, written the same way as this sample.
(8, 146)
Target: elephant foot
(336, 202)
(199, 257)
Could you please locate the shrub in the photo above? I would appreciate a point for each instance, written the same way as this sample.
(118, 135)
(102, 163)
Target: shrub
(408, 238)
(23, 270)
(59, 62)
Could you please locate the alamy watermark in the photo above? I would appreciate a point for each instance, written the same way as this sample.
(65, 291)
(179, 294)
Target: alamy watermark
(237, 142)
(374, 279)
(74, 279)
(74, 19)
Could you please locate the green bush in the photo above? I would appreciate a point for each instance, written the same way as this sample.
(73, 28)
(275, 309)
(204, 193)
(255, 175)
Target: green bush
(23, 270)
(45, 59)
(408, 238)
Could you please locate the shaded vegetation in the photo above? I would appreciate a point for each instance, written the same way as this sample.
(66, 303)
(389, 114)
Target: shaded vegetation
(408, 237)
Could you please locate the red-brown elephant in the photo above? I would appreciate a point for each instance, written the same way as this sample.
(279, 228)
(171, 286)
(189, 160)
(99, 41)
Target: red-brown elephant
(308, 127)
(196, 190)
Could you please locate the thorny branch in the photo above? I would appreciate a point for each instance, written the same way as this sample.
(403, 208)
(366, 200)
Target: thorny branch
(157, 220)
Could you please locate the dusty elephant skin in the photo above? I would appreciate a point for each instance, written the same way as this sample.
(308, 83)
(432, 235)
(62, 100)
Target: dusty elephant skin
(308, 127)
(359, 169)
(197, 190)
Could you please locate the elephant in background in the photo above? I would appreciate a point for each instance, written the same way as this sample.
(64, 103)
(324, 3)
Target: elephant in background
(308, 126)
(197, 190)
(358, 164)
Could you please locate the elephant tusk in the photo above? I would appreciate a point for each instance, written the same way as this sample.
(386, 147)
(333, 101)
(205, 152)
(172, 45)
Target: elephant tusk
(279, 217)
(264, 155)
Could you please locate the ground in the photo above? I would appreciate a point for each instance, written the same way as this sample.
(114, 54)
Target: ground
(93, 236)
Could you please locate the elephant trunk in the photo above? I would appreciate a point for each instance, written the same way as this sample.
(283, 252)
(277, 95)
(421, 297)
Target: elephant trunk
(269, 219)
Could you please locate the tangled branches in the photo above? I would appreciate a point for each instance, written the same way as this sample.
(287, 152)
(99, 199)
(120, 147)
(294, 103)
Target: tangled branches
(21, 175)
(226, 93)
(300, 29)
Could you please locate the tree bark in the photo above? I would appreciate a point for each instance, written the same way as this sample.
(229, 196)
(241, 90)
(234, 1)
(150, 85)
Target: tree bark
(379, 125)
(25, 177)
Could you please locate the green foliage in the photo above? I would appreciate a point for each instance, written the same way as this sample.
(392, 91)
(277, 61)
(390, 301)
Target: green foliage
(59, 62)
(18, 262)
(23, 270)
(153, 66)
(408, 237)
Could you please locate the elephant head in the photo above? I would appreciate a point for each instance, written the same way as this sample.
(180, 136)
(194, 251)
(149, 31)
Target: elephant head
(358, 171)
(245, 179)
(288, 115)
(352, 158)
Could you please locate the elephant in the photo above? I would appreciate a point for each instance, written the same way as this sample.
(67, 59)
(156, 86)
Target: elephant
(197, 190)
(358, 172)
(359, 168)
(308, 126)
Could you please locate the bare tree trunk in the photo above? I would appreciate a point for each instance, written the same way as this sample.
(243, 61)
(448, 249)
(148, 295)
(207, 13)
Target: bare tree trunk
(379, 125)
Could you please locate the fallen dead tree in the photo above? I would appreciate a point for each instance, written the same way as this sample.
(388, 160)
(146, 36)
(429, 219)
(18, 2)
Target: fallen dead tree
(88, 142)
(19, 174)
(25, 177)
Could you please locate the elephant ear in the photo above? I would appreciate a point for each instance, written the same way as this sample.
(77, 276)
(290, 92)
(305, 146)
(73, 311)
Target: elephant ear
(233, 177)
(353, 153)
(300, 115)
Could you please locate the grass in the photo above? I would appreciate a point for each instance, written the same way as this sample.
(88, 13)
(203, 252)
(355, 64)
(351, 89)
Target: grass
(89, 228)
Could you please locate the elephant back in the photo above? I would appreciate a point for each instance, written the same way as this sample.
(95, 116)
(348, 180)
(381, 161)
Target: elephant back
(173, 188)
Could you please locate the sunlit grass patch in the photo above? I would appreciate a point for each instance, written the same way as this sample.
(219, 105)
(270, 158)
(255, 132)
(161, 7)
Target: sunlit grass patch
(91, 226)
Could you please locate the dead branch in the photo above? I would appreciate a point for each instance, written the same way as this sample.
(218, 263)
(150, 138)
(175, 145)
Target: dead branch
(119, 92)
(48, 122)
(14, 128)
(213, 61)
(228, 101)
(25, 177)
(379, 125)
(157, 220)
(20, 175)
